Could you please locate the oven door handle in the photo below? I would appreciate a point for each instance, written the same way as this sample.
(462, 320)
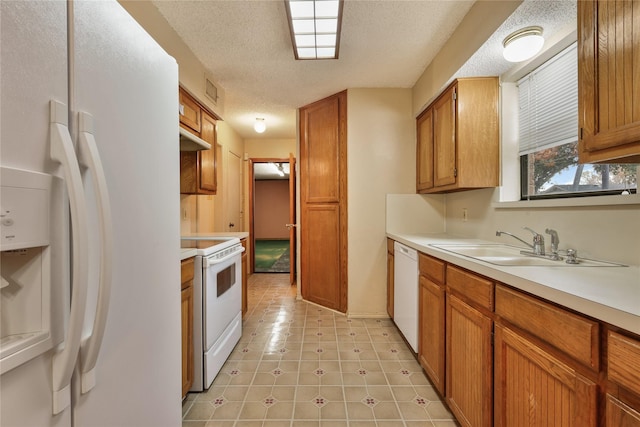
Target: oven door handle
(213, 261)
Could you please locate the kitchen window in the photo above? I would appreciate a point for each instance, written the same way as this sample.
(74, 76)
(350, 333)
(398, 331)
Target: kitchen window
(548, 137)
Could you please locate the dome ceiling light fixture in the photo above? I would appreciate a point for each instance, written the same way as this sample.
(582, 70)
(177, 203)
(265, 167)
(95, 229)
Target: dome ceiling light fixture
(260, 125)
(523, 44)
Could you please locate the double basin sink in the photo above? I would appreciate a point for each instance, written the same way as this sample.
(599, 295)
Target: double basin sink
(508, 255)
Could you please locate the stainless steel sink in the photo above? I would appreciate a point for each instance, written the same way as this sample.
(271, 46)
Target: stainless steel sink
(508, 255)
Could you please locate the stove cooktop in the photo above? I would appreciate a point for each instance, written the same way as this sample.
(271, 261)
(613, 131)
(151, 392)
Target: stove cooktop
(208, 246)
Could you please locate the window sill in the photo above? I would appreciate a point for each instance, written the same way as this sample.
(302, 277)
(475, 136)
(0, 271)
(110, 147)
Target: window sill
(616, 200)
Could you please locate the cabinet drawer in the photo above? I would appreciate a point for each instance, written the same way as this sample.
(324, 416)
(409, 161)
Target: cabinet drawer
(619, 414)
(432, 268)
(474, 288)
(186, 271)
(568, 332)
(623, 361)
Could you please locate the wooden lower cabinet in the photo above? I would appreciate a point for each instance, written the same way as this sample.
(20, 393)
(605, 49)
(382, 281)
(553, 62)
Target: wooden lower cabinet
(186, 310)
(431, 347)
(390, 273)
(534, 388)
(619, 414)
(245, 278)
(469, 362)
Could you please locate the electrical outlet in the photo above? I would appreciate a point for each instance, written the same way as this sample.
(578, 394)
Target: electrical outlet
(465, 215)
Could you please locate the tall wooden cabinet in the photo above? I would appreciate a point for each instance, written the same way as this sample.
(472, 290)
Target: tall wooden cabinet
(186, 310)
(609, 81)
(323, 202)
(458, 143)
(198, 168)
(245, 278)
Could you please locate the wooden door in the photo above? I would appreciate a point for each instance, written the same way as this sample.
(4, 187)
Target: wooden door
(431, 350)
(323, 194)
(424, 157)
(444, 138)
(533, 388)
(207, 158)
(609, 80)
(292, 219)
(469, 387)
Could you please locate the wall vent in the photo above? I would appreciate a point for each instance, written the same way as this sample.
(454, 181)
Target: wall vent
(211, 91)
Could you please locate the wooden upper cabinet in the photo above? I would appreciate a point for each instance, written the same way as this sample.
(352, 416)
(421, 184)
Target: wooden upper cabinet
(425, 151)
(190, 112)
(609, 81)
(459, 138)
(198, 168)
(444, 139)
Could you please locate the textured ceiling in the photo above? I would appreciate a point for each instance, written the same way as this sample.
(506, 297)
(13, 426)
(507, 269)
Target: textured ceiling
(246, 46)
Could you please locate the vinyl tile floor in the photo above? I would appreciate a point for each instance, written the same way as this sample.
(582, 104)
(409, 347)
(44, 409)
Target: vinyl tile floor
(300, 365)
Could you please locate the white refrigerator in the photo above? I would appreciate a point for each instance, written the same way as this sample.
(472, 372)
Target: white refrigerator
(90, 219)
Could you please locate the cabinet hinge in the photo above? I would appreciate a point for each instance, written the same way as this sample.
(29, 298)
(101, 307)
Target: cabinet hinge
(455, 95)
(455, 172)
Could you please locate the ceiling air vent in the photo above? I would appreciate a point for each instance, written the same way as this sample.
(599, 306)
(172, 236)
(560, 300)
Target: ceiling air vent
(211, 91)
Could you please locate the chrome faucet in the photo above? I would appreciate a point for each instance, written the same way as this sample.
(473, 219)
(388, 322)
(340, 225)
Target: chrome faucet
(538, 240)
(555, 240)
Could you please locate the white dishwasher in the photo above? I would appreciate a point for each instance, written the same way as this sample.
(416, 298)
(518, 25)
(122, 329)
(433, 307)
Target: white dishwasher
(405, 292)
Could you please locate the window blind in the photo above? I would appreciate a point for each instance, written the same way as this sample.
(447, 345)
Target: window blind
(548, 101)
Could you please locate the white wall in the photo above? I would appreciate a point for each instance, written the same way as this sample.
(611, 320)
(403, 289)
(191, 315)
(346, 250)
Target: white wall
(381, 159)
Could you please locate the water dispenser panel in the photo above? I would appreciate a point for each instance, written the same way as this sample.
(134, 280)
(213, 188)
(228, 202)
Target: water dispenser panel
(24, 209)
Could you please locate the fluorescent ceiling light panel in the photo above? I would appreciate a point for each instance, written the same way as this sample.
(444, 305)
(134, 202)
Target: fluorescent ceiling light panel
(315, 27)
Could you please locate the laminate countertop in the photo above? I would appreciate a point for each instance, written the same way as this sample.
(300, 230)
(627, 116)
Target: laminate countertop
(609, 294)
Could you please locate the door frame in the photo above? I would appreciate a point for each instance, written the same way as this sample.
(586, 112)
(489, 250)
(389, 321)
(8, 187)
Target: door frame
(252, 186)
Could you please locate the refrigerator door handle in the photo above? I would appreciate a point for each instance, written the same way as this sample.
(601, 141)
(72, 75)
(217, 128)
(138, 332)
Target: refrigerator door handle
(62, 151)
(90, 157)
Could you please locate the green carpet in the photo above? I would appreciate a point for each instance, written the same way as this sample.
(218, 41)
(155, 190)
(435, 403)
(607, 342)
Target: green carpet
(268, 252)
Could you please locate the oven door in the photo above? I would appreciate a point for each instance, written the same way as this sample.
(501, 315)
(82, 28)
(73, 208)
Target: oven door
(222, 297)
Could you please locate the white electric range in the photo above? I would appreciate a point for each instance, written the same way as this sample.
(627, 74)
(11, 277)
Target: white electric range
(217, 304)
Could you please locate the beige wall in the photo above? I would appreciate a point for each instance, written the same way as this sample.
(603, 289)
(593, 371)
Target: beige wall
(190, 70)
(381, 160)
(271, 209)
(478, 25)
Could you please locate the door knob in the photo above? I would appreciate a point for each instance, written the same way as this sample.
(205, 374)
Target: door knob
(290, 226)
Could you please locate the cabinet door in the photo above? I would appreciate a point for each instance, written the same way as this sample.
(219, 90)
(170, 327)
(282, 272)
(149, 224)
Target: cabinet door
(425, 151)
(444, 138)
(469, 388)
(390, 272)
(207, 158)
(431, 334)
(189, 112)
(609, 80)
(533, 388)
(187, 338)
(620, 415)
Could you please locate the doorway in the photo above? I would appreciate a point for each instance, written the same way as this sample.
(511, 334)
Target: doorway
(272, 194)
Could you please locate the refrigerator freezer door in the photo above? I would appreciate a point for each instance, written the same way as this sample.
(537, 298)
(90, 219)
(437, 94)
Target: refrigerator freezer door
(34, 71)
